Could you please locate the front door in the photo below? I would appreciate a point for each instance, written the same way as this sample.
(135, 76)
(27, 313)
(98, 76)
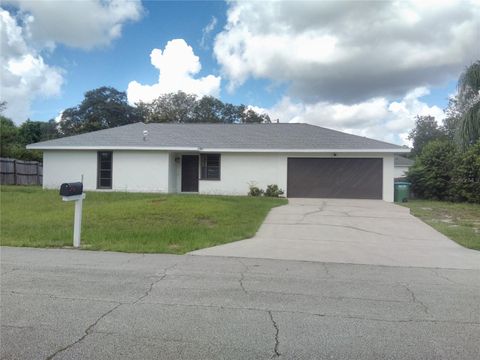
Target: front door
(190, 173)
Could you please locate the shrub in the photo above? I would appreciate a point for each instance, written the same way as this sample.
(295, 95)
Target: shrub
(466, 182)
(255, 191)
(273, 191)
(431, 175)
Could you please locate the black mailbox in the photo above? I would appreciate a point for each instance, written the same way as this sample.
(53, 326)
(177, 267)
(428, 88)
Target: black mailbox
(71, 189)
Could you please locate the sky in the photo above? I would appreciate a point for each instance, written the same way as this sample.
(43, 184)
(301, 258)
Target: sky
(367, 68)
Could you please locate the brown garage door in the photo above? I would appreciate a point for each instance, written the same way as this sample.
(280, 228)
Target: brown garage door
(348, 178)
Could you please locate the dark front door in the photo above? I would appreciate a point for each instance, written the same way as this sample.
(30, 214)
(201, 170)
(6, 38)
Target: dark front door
(190, 173)
(350, 178)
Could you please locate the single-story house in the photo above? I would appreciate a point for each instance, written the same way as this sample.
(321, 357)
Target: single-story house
(303, 160)
(401, 164)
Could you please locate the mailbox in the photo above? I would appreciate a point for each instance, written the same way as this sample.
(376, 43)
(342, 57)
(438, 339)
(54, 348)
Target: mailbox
(71, 189)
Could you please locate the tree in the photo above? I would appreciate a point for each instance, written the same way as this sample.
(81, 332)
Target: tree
(466, 179)
(169, 108)
(30, 132)
(8, 137)
(251, 117)
(13, 140)
(232, 114)
(469, 105)
(101, 108)
(432, 173)
(49, 130)
(426, 129)
(186, 108)
(208, 110)
(34, 131)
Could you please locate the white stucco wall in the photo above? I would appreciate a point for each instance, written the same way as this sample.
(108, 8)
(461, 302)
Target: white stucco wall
(400, 171)
(132, 170)
(157, 171)
(68, 166)
(140, 171)
(238, 170)
(388, 171)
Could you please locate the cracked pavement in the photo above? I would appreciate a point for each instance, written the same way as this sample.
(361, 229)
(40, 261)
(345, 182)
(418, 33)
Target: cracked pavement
(72, 304)
(371, 232)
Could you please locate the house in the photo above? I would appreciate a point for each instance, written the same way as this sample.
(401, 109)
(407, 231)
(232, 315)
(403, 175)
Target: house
(401, 165)
(303, 160)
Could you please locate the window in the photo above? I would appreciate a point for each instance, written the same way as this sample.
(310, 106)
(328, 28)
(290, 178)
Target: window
(104, 170)
(210, 164)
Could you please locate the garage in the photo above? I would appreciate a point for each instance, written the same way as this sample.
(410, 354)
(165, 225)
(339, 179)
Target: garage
(347, 178)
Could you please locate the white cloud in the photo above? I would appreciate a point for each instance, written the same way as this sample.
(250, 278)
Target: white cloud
(348, 51)
(177, 65)
(23, 72)
(32, 28)
(78, 23)
(206, 31)
(377, 117)
(58, 118)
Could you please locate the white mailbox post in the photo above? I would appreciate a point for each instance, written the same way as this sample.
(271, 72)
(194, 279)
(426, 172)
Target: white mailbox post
(77, 224)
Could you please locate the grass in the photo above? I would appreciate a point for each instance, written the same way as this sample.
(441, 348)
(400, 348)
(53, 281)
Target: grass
(129, 222)
(459, 221)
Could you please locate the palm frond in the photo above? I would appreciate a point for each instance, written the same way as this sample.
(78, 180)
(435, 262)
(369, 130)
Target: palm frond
(469, 82)
(470, 126)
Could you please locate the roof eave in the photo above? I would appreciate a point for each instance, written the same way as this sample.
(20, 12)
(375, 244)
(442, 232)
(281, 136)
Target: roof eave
(200, 149)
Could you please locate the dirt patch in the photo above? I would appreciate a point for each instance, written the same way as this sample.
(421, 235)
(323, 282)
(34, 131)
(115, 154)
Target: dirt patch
(207, 222)
(173, 246)
(158, 201)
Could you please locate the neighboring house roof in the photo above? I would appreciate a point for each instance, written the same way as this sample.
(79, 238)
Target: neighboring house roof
(220, 137)
(402, 161)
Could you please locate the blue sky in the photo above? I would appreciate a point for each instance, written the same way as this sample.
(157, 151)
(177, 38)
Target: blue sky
(128, 58)
(299, 62)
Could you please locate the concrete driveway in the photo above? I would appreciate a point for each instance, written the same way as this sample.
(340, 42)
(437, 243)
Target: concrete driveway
(349, 231)
(73, 304)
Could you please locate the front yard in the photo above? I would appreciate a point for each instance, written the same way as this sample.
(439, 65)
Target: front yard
(129, 222)
(459, 221)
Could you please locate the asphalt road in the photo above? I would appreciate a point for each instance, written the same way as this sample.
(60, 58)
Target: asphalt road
(68, 304)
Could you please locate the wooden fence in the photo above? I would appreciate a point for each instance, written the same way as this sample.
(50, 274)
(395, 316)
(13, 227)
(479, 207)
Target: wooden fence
(20, 172)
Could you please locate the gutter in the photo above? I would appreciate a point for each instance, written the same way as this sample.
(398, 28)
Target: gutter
(220, 150)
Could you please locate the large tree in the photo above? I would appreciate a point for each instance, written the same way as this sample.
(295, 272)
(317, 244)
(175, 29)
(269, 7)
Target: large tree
(186, 108)
(426, 130)
(174, 107)
(469, 105)
(208, 110)
(101, 108)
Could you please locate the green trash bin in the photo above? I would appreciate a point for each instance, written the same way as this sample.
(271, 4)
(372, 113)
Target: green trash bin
(401, 191)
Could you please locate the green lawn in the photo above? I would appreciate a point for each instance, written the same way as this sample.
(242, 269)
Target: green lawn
(129, 222)
(459, 221)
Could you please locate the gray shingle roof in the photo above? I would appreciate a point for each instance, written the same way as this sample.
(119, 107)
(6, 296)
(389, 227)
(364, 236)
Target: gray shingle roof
(402, 161)
(220, 136)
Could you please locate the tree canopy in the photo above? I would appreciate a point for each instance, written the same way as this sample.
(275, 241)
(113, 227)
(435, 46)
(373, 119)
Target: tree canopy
(101, 108)
(187, 108)
(107, 107)
(426, 130)
(14, 139)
